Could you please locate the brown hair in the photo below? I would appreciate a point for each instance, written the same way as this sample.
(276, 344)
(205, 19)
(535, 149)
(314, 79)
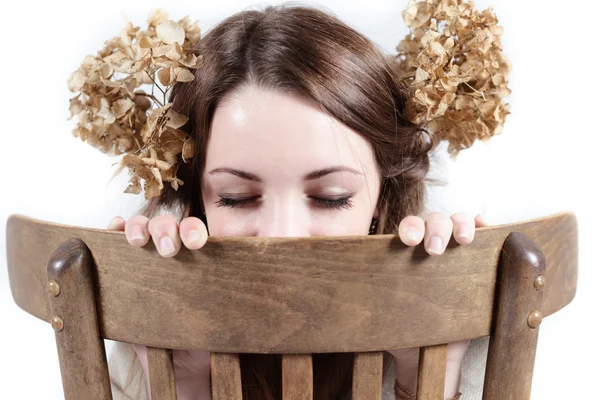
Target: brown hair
(305, 51)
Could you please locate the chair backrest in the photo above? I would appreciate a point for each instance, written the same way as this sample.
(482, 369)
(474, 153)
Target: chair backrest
(295, 297)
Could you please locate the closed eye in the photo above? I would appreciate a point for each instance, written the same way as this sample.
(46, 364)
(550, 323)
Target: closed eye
(341, 203)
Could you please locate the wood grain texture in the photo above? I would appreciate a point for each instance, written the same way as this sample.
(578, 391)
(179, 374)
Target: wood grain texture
(278, 287)
(511, 354)
(432, 372)
(297, 377)
(162, 374)
(82, 358)
(226, 377)
(367, 376)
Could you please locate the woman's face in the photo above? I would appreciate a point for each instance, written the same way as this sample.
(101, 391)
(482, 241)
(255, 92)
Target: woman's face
(278, 166)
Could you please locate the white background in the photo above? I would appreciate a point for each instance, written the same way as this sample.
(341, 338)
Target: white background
(545, 161)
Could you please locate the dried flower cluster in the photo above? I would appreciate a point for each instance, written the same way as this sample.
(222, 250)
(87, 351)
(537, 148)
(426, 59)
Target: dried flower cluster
(453, 63)
(116, 118)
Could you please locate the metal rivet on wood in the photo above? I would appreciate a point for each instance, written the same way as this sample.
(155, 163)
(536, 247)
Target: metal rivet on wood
(57, 323)
(539, 282)
(535, 319)
(53, 288)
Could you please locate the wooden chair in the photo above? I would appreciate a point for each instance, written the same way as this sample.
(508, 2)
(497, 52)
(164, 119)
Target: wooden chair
(294, 296)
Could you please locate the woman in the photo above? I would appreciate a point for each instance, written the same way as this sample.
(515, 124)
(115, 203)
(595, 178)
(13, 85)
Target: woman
(300, 129)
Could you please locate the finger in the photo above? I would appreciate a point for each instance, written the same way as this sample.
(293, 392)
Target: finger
(136, 230)
(438, 229)
(463, 228)
(116, 224)
(193, 233)
(165, 235)
(480, 221)
(411, 230)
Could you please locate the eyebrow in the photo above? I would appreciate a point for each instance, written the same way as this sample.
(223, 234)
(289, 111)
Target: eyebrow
(308, 177)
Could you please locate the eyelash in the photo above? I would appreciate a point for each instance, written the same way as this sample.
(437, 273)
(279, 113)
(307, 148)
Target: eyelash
(341, 203)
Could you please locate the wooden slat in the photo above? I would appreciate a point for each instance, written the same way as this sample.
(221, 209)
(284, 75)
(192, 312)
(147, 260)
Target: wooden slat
(162, 374)
(511, 354)
(432, 372)
(226, 377)
(277, 285)
(81, 352)
(367, 376)
(297, 376)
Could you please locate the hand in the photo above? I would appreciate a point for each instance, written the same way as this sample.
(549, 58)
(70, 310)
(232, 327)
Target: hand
(166, 233)
(192, 367)
(440, 226)
(412, 229)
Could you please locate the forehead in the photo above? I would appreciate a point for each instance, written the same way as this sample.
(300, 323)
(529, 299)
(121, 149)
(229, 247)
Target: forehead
(267, 132)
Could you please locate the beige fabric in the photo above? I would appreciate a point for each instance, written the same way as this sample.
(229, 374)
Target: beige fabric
(126, 374)
(123, 357)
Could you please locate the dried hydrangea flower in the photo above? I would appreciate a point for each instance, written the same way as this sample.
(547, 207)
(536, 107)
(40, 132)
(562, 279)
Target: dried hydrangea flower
(452, 61)
(118, 118)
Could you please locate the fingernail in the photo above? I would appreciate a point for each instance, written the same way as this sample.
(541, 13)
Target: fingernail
(463, 231)
(192, 236)
(412, 234)
(166, 245)
(435, 245)
(137, 233)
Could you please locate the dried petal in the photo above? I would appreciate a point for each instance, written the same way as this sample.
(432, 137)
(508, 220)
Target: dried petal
(146, 42)
(76, 81)
(121, 106)
(176, 120)
(421, 75)
(157, 16)
(170, 32)
(134, 186)
(174, 52)
(189, 60)
(183, 75)
(156, 163)
(188, 149)
(164, 76)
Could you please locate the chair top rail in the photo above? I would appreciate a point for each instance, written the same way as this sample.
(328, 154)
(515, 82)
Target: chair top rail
(291, 295)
